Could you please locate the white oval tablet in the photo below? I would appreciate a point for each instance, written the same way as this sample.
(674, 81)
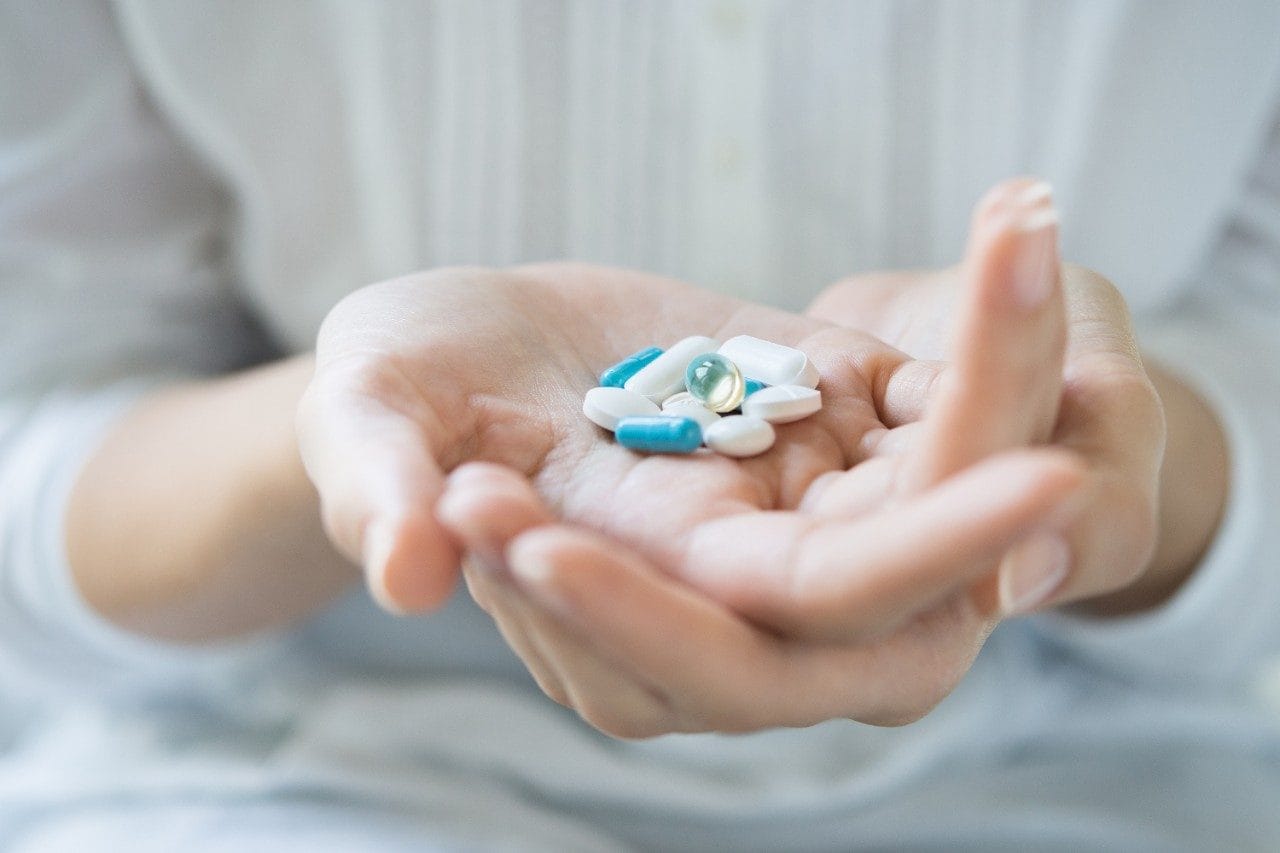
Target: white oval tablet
(685, 405)
(606, 406)
(782, 404)
(739, 435)
(770, 363)
(664, 376)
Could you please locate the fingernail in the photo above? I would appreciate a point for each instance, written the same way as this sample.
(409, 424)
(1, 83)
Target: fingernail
(1033, 274)
(1032, 571)
(534, 574)
(379, 539)
(1038, 191)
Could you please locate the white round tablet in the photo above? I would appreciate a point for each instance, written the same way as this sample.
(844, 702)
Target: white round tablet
(739, 435)
(606, 406)
(782, 404)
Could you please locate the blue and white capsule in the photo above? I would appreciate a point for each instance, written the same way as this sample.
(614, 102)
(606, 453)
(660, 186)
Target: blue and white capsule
(617, 376)
(752, 386)
(662, 434)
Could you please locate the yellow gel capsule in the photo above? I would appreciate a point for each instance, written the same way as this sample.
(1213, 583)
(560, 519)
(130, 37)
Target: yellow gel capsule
(715, 382)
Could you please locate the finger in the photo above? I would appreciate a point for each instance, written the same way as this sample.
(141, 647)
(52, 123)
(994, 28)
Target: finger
(1112, 542)
(1111, 412)
(488, 505)
(835, 578)
(1112, 416)
(487, 589)
(1102, 549)
(566, 668)
(892, 442)
(484, 506)
(899, 386)
(860, 490)
(716, 672)
(704, 659)
(604, 691)
(903, 394)
(1006, 374)
(378, 480)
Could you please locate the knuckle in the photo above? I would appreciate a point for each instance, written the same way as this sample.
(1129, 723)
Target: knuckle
(1126, 381)
(1116, 385)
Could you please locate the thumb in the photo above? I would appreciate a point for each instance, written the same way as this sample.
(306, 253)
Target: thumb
(1005, 380)
(368, 442)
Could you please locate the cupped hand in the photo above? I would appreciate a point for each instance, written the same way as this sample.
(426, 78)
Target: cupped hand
(1106, 412)
(854, 567)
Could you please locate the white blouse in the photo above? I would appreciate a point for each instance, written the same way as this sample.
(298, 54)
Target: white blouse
(188, 187)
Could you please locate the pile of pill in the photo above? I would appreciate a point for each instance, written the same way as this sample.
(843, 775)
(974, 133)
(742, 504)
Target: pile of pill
(727, 396)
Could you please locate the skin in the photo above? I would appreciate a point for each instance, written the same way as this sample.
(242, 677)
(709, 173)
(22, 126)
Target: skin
(854, 571)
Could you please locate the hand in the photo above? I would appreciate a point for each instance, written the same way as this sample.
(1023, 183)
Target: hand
(1108, 415)
(857, 580)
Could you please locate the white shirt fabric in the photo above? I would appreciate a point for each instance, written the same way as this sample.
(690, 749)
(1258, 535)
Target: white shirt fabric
(188, 187)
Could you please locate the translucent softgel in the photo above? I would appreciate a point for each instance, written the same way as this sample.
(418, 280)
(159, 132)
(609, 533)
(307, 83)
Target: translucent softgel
(715, 382)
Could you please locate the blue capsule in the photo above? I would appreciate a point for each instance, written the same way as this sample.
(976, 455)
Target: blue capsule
(659, 434)
(617, 376)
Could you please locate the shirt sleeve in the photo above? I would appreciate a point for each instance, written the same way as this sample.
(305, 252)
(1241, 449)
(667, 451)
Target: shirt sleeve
(1223, 626)
(113, 280)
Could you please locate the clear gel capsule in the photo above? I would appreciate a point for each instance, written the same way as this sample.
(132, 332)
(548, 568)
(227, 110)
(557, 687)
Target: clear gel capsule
(715, 382)
(617, 376)
(661, 434)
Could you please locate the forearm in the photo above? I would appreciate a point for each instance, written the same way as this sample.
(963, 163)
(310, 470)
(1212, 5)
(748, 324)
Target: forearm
(195, 520)
(1193, 491)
